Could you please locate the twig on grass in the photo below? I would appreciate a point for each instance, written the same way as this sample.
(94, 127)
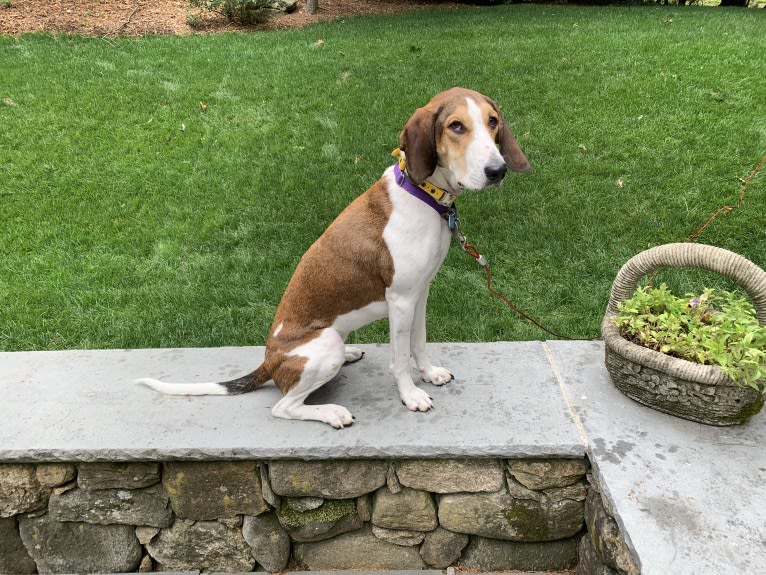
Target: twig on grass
(728, 207)
(125, 24)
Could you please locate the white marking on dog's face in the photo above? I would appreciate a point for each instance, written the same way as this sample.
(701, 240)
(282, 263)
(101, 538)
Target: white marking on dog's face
(468, 155)
(485, 165)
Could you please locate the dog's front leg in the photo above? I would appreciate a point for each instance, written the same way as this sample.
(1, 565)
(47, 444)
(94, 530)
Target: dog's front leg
(429, 372)
(401, 315)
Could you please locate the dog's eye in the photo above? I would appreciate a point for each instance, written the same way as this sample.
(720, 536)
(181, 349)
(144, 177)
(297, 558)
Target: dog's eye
(457, 127)
(493, 123)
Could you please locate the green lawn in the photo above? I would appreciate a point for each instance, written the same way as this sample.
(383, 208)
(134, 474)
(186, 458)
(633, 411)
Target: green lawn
(131, 217)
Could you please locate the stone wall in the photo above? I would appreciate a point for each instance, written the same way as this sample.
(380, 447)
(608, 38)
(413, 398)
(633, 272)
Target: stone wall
(602, 551)
(237, 516)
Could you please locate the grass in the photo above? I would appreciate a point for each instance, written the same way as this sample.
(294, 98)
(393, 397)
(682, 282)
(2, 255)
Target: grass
(159, 191)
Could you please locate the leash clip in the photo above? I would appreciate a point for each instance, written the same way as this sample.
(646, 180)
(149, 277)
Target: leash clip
(453, 221)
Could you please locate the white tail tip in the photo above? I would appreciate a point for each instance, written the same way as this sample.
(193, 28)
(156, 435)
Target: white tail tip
(183, 388)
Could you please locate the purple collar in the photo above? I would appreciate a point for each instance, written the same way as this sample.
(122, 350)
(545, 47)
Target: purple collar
(403, 181)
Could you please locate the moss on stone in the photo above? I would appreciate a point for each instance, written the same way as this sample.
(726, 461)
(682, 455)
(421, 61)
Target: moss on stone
(330, 511)
(529, 519)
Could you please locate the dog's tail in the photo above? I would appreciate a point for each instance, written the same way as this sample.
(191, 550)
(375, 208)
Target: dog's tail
(244, 384)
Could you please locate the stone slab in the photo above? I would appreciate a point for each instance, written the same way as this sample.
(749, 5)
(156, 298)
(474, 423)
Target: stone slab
(85, 406)
(689, 498)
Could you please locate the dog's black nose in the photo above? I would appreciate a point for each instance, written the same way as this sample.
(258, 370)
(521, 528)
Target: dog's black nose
(495, 174)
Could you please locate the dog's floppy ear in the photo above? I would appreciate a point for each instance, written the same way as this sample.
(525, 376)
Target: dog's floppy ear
(510, 150)
(509, 147)
(418, 142)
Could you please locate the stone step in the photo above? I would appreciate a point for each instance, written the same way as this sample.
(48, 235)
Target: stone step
(99, 413)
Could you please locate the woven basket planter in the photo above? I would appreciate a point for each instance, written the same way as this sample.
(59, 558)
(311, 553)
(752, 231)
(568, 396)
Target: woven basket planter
(702, 393)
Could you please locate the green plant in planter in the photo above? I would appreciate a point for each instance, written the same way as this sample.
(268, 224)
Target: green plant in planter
(708, 328)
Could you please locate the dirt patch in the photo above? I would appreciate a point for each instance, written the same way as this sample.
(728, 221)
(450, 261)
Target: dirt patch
(142, 17)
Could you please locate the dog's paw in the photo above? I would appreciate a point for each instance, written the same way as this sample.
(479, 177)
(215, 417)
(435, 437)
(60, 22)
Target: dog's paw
(353, 354)
(417, 400)
(436, 375)
(335, 415)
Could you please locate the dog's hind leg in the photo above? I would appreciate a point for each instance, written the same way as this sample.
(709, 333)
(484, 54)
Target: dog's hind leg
(304, 370)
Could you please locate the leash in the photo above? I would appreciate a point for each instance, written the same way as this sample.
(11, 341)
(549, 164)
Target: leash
(453, 220)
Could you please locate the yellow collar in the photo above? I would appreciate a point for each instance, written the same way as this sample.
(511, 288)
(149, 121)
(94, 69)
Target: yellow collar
(441, 196)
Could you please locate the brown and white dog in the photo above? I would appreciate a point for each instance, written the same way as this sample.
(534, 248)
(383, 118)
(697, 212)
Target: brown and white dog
(377, 259)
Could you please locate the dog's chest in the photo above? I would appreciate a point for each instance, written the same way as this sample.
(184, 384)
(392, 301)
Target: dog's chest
(417, 237)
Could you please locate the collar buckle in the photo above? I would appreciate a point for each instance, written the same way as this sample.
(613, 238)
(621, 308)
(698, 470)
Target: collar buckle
(440, 196)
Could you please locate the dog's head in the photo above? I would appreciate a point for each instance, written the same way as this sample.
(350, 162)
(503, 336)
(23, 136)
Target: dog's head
(460, 141)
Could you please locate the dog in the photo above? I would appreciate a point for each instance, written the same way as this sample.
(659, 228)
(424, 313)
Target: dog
(377, 260)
